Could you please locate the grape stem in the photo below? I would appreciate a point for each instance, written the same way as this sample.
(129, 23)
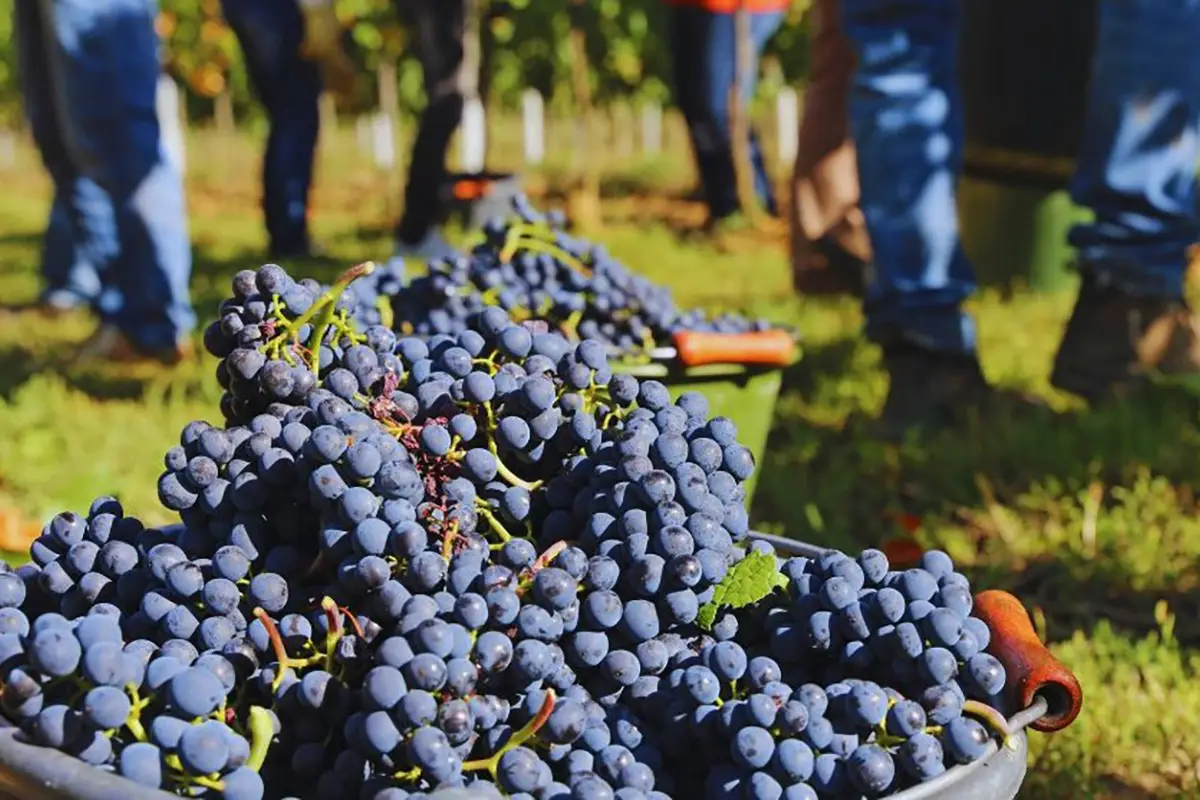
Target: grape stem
(328, 305)
(334, 618)
(492, 763)
(262, 731)
(285, 661)
(134, 720)
(501, 468)
(990, 717)
(497, 526)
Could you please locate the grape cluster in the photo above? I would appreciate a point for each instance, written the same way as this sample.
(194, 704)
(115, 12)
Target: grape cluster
(530, 267)
(278, 339)
(855, 681)
(476, 558)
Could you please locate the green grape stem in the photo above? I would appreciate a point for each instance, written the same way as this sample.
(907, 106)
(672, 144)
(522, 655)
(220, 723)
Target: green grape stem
(334, 617)
(134, 720)
(492, 762)
(991, 718)
(284, 661)
(262, 731)
(482, 509)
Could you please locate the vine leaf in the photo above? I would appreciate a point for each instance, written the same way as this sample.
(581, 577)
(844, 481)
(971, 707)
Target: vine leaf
(749, 581)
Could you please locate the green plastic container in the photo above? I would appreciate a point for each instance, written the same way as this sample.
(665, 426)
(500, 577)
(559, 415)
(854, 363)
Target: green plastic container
(1017, 234)
(1024, 67)
(744, 394)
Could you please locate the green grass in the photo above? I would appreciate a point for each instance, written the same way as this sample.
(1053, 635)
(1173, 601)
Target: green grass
(1089, 516)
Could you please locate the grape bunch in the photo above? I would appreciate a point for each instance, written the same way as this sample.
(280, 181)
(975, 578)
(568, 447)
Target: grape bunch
(784, 700)
(530, 267)
(474, 557)
(277, 339)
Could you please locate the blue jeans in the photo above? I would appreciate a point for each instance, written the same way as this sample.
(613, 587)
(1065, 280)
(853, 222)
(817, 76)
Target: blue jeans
(89, 72)
(1136, 169)
(289, 87)
(702, 46)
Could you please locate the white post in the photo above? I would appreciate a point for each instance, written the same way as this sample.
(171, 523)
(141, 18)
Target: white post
(8, 149)
(652, 130)
(166, 100)
(787, 118)
(383, 141)
(473, 141)
(534, 118)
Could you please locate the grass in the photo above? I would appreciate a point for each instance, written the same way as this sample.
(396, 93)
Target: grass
(1089, 516)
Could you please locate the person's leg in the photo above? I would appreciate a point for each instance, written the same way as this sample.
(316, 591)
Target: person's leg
(763, 26)
(830, 248)
(104, 65)
(289, 87)
(715, 70)
(437, 29)
(688, 42)
(906, 119)
(80, 235)
(1137, 172)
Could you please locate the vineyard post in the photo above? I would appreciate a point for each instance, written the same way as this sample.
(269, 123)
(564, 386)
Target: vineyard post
(739, 122)
(787, 120)
(473, 138)
(533, 118)
(652, 128)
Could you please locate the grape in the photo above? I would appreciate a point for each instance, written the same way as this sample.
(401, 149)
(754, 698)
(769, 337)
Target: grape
(921, 757)
(195, 692)
(204, 748)
(964, 740)
(141, 763)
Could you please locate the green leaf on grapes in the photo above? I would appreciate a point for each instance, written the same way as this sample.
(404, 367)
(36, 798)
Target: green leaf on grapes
(750, 580)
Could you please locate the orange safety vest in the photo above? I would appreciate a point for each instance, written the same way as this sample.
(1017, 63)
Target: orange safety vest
(729, 6)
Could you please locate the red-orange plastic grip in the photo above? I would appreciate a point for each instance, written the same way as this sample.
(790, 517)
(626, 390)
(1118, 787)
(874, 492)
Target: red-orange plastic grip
(1032, 669)
(774, 348)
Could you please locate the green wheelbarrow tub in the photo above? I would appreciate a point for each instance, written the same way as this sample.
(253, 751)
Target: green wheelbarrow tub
(744, 394)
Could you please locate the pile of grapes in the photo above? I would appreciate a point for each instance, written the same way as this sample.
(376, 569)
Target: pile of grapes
(530, 267)
(476, 560)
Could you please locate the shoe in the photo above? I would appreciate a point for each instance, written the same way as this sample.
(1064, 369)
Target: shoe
(109, 344)
(826, 269)
(433, 246)
(928, 390)
(1116, 344)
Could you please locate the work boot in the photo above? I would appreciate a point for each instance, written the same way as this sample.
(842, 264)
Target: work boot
(1116, 344)
(826, 269)
(928, 390)
(109, 344)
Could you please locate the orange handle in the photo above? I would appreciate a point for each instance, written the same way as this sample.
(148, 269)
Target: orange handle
(1031, 668)
(774, 348)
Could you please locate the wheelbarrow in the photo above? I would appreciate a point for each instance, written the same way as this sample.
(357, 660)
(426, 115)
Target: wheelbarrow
(739, 373)
(1047, 693)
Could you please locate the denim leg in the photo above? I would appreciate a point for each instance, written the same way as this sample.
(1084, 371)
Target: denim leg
(762, 27)
(81, 235)
(270, 33)
(437, 28)
(906, 119)
(80, 241)
(1137, 165)
(704, 51)
(104, 68)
